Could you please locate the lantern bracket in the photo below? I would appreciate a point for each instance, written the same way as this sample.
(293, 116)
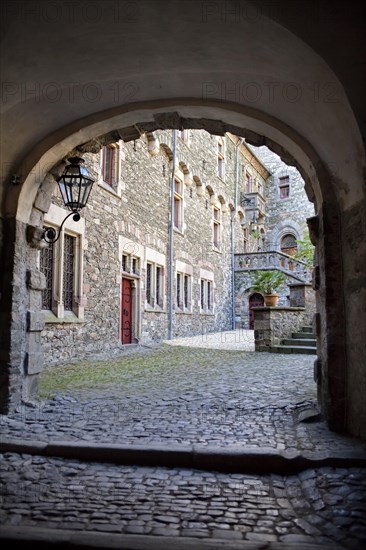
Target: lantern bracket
(49, 234)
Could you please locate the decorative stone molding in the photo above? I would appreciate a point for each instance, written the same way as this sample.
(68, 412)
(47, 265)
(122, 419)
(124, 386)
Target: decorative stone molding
(35, 280)
(33, 363)
(35, 321)
(153, 145)
(34, 237)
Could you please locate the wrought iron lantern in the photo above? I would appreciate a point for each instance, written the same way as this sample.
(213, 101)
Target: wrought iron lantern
(75, 185)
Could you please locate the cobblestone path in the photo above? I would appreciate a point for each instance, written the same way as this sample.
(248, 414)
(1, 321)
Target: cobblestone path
(183, 395)
(323, 506)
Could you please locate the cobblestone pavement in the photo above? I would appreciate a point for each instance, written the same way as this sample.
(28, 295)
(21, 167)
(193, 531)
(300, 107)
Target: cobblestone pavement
(317, 506)
(184, 395)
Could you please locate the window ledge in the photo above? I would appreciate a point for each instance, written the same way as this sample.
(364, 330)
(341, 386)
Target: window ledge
(51, 318)
(179, 231)
(183, 312)
(208, 313)
(156, 309)
(218, 250)
(109, 189)
(130, 275)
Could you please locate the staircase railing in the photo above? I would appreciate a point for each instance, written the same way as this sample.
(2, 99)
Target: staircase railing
(253, 261)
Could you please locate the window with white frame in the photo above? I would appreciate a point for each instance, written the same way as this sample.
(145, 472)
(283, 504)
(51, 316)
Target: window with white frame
(183, 287)
(206, 291)
(221, 158)
(284, 187)
(178, 204)
(110, 164)
(154, 285)
(130, 264)
(183, 292)
(62, 265)
(216, 227)
(206, 296)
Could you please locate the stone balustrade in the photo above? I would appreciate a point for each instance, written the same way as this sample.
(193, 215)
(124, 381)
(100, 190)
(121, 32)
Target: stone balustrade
(252, 261)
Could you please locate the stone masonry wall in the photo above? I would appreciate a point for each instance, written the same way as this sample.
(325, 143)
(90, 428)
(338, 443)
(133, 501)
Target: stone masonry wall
(137, 215)
(283, 215)
(271, 325)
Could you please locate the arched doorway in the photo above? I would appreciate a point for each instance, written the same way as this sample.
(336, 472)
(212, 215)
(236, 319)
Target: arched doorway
(255, 300)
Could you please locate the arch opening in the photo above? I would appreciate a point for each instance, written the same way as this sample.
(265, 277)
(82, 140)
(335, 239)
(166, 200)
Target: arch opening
(275, 135)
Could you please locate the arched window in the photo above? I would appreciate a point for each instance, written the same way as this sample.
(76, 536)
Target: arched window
(289, 245)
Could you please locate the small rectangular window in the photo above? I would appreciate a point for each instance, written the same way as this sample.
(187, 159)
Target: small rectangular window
(220, 159)
(179, 290)
(124, 262)
(178, 204)
(284, 187)
(46, 266)
(157, 285)
(68, 272)
(216, 227)
(209, 295)
(148, 283)
(186, 290)
(202, 294)
(108, 164)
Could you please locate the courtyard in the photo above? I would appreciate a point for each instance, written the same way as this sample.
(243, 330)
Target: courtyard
(207, 394)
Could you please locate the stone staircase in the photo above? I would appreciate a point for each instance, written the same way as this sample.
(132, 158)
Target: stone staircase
(300, 342)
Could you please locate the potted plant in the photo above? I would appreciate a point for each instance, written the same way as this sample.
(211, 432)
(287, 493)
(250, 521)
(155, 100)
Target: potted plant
(267, 282)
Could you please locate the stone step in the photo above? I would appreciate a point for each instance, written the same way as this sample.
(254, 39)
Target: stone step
(293, 349)
(299, 342)
(302, 335)
(306, 329)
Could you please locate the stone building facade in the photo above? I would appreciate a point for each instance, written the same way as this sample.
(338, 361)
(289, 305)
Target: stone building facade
(287, 208)
(108, 276)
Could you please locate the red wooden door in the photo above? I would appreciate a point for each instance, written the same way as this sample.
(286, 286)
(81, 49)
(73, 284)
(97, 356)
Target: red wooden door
(126, 313)
(255, 300)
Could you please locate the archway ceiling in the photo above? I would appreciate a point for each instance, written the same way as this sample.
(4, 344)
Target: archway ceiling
(170, 49)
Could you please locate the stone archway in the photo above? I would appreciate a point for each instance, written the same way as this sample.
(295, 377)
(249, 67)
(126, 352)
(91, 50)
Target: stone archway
(44, 127)
(30, 354)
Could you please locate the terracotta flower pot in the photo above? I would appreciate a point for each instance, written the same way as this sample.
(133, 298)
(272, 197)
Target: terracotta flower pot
(271, 300)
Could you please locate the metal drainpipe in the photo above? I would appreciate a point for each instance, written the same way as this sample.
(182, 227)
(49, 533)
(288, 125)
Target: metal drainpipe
(171, 239)
(232, 230)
